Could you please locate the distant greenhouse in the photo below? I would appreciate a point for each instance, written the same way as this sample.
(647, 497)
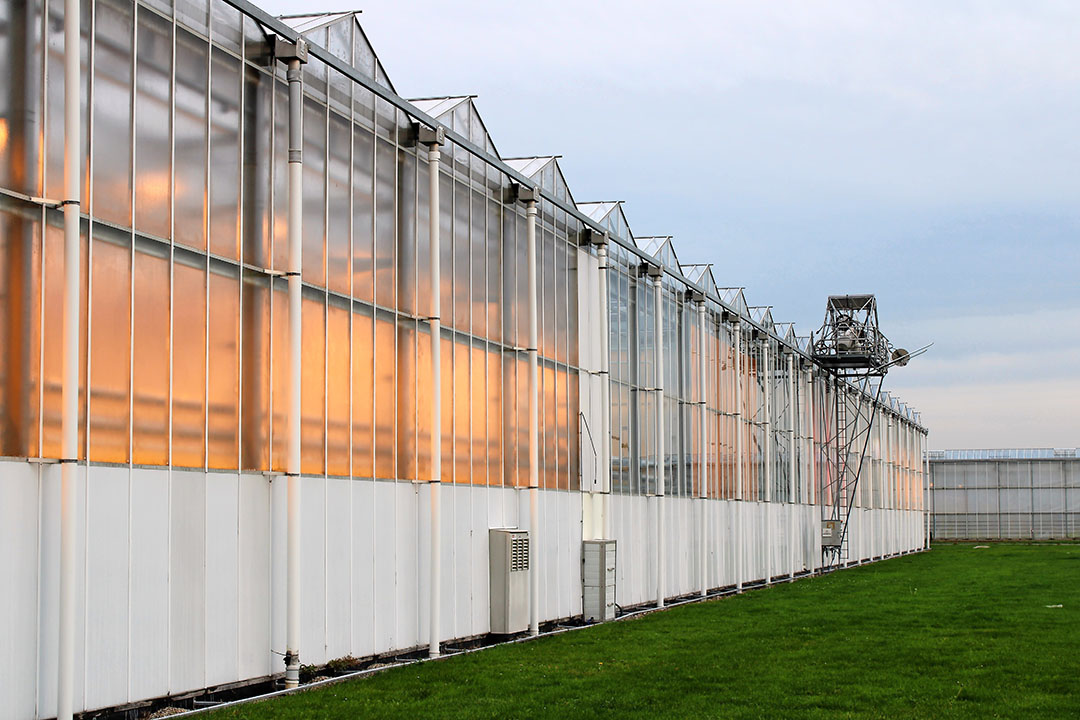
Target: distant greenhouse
(284, 355)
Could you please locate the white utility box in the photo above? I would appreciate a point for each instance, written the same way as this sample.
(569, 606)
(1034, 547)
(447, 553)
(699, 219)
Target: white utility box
(598, 594)
(508, 562)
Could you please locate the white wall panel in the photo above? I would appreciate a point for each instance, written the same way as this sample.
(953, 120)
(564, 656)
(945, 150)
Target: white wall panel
(18, 601)
(107, 598)
(363, 567)
(222, 578)
(149, 626)
(405, 569)
(385, 599)
(253, 577)
(338, 568)
(313, 550)
(187, 581)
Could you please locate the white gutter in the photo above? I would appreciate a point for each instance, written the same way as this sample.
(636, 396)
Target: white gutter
(534, 427)
(70, 348)
(660, 460)
(295, 265)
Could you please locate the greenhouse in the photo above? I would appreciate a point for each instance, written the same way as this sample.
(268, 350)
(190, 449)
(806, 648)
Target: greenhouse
(282, 350)
(1004, 494)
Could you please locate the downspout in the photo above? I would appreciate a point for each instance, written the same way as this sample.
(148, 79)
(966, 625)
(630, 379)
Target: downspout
(793, 455)
(603, 527)
(434, 138)
(769, 461)
(69, 453)
(740, 545)
(529, 195)
(661, 461)
(703, 491)
(294, 54)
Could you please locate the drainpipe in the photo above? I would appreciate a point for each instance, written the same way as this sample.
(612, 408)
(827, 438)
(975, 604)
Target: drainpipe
(661, 461)
(69, 453)
(530, 196)
(294, 54)
(769, 461)
(434, 138)
(703, 491)
(740, 546)
(793, 454)
(603, 527)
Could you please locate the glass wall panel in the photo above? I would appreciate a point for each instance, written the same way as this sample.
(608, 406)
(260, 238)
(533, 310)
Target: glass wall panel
(257, 167)
(223, 384)
(363, 397)
(313, 383)
(279, 375)
(255, 376)
(494, 417)
(385, 387)
(478, 413)
(338, 394)
(192, 60)
(20, 338)
(153, 119)
(461, 406)
(424, 402)
(405, 267)
(363, 208)
(314, 241)
(109, 359)
(189, 360)
(111, 184)
(406, 400)
(477, 274)
(385, 230)
(337, 203)
(224, 176)
(459, 274)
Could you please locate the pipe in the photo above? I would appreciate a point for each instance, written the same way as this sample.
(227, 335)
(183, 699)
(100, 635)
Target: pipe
(295, 228)
(434, 261)
(793, 454)
(660, 459)
(534, 429)
(740, 546)
(70, 344)
(604, 526)
(769, 461)
(703, 490)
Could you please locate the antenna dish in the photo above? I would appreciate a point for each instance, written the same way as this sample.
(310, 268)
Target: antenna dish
(900, 357)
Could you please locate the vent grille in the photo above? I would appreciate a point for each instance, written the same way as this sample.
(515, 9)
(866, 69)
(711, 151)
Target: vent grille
(519, 554)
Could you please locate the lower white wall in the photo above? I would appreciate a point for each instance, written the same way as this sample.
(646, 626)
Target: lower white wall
(181, 574)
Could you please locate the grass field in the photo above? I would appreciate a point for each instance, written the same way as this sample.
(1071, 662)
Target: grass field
(957, 632)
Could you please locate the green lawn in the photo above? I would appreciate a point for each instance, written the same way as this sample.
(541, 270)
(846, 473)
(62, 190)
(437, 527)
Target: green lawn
(957, 632)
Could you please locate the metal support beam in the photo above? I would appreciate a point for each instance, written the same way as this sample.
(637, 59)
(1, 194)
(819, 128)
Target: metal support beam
(433, 140)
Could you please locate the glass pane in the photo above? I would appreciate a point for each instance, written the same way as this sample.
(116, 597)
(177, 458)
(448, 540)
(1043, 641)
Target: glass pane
(223, 386)
(255, 375)
(385, 385)
(225, 155)
(190, 140)
(406, 400)
(189, 360)
(150, 381)
(461, 430)
(313, 382)
(153, 115)
(112, 111)
(314, 208)
(406, 242)
(337, 389)
(279, 351)
(385, 232)
(337, 221)
(362, 402)
(109, 305)
(363, 249)
(257, 166)
(20, 288)
(478, 413)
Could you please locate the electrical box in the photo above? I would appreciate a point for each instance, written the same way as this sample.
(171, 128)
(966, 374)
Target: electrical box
(831, 533)
(598, 593)
(508, 563)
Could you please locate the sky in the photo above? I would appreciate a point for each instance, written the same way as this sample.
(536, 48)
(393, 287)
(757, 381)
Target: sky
(924, 151)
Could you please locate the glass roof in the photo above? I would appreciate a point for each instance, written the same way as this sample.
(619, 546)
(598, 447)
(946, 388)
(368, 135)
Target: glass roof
(609, 214)
(700, 274)
(762, 314)
(735, 299)
(546, 171)
(661, 248)
(459, 113)
(332, 30)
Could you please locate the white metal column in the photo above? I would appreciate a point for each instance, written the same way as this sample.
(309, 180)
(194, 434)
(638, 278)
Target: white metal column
(770, 460)
(534, 420)
(739, 540)
(661, 460)
(793, 456)
(703, 489)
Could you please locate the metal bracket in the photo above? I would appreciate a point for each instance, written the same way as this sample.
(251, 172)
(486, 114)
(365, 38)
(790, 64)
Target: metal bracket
(287, 50)
(524, 193)
(430, 136)
(592, 236)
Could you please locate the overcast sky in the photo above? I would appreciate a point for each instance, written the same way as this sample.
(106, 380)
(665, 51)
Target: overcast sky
(927, 152)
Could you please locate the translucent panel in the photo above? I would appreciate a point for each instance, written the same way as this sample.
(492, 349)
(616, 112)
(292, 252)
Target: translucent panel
(507, 265)
(110, 300)
(446, 247)
(385, 232)
(189, 361)
(477, 251)
(385, 386)
(20, 338)
(363, 228)
(224, 175)
(560, 304)
(406, 223)
(363, 360)
(280, 187)
(223, 378)
(227, 26)
(406, 400)
(257, 175)
(572, 306)
(523, 405)
(461, 271)
(20, 97)
(447, 365)
(190, 140)
(112, 111)
(153, 116)
(562, 428)
(549, 477)
(461, 407)
(547, 286)
(337, 202)
(194, 14)
(313, 383)
(314, 207)
(279, 377)
(494, 417)
(255, 373)
(478, 413)
(337, 389)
